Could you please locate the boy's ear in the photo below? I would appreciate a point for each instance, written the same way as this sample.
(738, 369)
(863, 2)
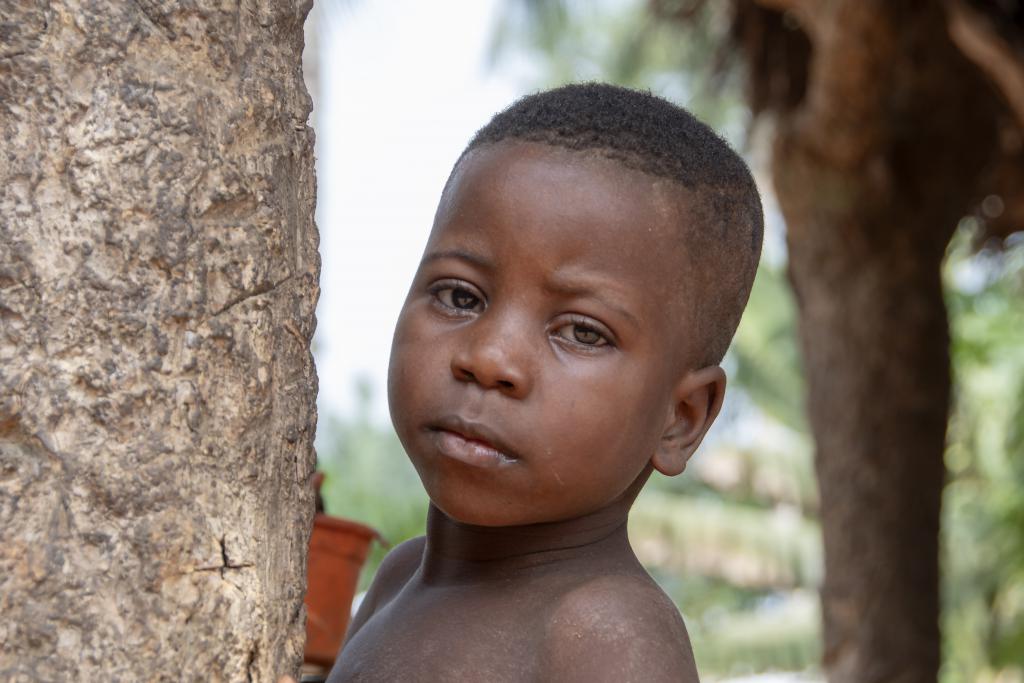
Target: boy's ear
(696, 401)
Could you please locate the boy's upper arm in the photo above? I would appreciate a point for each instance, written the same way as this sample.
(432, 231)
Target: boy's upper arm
(617, 629)
(393, 573)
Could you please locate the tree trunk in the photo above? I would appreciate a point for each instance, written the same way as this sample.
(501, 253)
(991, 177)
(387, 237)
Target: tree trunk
(158, 276)
(873, 171)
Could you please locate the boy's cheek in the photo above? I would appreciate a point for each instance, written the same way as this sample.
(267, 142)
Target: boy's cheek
(416, 331)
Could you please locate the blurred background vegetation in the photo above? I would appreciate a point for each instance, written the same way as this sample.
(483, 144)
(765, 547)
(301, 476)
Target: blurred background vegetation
(736, 540)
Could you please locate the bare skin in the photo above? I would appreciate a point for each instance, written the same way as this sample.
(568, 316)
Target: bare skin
(539, 615)
(541, 370)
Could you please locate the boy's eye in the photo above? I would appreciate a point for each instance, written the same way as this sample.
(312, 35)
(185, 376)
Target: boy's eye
(456, 296)
(582, 333)
(463, 299)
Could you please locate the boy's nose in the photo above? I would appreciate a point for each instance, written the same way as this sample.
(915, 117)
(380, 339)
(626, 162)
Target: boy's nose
(494, 359)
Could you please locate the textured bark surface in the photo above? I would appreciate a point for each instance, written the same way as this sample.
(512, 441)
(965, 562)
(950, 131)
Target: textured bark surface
(158, 276)
(873, 171)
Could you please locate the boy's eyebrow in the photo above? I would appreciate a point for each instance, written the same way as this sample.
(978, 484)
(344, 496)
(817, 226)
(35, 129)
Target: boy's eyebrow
(461, 254)
(556, 286)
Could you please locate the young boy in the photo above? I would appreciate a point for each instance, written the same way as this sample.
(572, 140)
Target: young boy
(590, 257)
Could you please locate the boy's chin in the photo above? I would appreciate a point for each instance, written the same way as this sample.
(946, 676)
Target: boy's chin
(489, 514)
(473, 516)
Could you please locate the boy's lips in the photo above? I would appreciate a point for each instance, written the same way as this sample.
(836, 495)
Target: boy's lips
(471, 442)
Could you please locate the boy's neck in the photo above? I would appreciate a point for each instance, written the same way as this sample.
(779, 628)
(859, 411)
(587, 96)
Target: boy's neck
(457, 552)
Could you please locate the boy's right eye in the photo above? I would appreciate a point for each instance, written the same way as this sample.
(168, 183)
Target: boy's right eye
(457, 296)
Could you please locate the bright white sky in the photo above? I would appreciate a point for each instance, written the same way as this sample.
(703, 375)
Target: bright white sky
(404, 85)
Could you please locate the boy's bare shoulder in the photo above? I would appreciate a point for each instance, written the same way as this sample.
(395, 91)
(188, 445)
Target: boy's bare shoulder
(617, 628)
(401, 563)
(394, 572)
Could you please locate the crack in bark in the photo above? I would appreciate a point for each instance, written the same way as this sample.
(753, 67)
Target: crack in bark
(226, 563)
(245, 296)
(147, 12)
(294, 332)
(250, 662)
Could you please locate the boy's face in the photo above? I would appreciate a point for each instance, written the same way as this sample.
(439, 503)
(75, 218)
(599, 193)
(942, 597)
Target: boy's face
(535, 357)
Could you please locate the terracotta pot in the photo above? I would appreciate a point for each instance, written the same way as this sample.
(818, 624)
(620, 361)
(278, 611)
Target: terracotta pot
(337, 551)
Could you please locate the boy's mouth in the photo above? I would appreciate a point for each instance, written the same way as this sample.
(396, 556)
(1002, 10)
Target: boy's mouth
(471, 442)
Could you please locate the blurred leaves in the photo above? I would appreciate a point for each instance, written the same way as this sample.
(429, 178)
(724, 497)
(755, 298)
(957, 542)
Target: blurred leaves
(765, 350)
(750, 547)
(984, 500)
(551, 42)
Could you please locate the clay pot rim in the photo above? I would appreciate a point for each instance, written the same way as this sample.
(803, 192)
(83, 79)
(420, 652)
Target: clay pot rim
(340, 524)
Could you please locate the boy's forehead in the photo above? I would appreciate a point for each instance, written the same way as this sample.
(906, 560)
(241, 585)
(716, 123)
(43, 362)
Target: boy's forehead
(578, 188)
(538, 165)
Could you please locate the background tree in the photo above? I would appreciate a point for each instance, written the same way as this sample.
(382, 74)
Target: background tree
(885, 135)
(158, 276)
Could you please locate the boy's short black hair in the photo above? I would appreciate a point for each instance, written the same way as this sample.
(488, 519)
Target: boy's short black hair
(649, 134)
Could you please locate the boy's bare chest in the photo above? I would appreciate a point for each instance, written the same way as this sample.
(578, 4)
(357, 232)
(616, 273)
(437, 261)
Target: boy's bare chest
(450, 636)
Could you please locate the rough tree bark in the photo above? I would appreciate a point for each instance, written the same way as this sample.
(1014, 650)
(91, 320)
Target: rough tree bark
(876, 159)
(158, 277)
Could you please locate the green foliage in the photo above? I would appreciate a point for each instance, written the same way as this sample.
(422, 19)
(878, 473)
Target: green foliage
(766, 353)
(552, 42)
(781, 633)
(983, 521)
(749, 546)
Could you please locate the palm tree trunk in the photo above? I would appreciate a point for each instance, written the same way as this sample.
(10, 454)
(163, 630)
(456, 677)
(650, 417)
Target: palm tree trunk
(158, 277)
